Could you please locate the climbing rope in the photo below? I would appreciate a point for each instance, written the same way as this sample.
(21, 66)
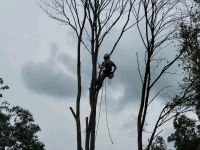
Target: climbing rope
(107, 116)
(99, 113)
(107, 123)
(109, 81)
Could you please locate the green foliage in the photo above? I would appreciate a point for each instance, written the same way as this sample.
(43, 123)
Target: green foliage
(3, 87)
(17, 128)
(186, 135)
(159, 144)
(189, 34)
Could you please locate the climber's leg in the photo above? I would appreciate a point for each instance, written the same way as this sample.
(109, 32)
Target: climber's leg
(100, 80)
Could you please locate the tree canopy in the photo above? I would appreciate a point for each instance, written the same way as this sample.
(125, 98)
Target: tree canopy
(190, 60)
(159, 144)
(17, 127)
(186, 135)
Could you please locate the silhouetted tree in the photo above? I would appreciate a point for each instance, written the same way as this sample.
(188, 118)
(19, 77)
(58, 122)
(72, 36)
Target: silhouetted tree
(160, 20)
(186, 135)
(187, 132)
(190, 60)
(92, 21)
(2, 86)
(159, 144)
(17, 128)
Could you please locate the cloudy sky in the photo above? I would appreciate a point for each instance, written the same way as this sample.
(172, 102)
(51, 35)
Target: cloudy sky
(37, 61)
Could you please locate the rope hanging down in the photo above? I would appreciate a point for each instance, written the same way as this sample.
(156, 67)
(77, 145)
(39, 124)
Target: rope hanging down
(107, 123)
(99, 113)
(107, 116)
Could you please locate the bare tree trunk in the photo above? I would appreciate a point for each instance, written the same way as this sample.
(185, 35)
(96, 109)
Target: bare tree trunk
(78, 124)
(77, 115)
(139, 122)
(97, 36)
(101, 17)
(159, 24)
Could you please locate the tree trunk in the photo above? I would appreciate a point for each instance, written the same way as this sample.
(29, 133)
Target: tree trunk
(78, 125)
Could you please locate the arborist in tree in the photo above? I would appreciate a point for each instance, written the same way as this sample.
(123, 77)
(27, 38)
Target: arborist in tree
(107, 69)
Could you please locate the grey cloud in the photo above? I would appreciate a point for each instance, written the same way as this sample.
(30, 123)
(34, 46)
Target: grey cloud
(55, 76)
(49, 79)
(127, 73)
(127, 76)
(65, 85)
(68, 62)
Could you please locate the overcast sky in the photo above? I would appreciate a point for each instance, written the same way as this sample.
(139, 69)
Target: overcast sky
(37, 61)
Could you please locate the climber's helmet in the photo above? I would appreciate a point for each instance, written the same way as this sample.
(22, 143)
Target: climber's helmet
(106, 56)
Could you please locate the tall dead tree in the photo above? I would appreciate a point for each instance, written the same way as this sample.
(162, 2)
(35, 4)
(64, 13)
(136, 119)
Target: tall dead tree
(156, 30)
(102, 16)
(91, 21)
(66, 12)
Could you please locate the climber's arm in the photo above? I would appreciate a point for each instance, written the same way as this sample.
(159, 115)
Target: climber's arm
(102, 66)
(115, 67)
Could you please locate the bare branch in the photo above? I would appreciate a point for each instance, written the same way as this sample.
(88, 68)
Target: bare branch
(72, 112)
(139, 69)
(162, 89)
